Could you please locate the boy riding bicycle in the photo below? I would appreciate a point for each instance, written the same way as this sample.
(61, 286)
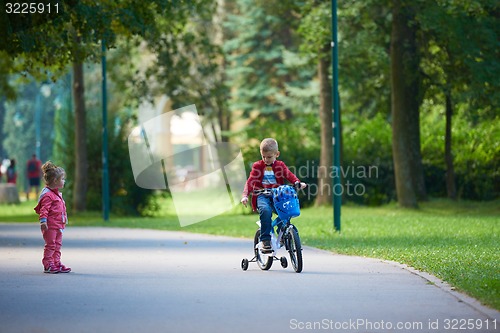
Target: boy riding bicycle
(267, 173)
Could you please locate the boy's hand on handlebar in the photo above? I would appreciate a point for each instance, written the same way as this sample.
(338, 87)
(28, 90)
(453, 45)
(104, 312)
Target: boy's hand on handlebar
(244, 201)
(300, 185)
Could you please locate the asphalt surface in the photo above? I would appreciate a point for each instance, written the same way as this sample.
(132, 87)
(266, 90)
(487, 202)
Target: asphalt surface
(128, 280)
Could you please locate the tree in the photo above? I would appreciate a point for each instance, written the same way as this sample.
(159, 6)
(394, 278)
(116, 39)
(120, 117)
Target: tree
(316, 40)
(325, 192)
(190, 68)
(255, 48)
(460, 61)
(406, 98)
(364, 63)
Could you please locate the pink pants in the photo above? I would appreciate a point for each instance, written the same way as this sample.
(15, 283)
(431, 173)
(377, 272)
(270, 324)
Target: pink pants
(52, 250)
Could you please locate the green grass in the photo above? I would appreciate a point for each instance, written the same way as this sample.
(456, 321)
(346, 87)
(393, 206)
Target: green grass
(455, 241)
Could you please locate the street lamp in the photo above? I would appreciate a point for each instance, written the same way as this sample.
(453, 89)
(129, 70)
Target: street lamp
(337, 198)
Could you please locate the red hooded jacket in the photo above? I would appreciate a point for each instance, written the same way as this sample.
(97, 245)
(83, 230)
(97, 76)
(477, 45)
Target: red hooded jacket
(52, 209)
(254, 182)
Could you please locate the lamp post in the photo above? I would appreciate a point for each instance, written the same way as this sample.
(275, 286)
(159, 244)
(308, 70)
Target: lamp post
(337, 197)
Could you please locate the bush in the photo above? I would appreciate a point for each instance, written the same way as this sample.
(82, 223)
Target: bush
(367, 160)
(476, 155)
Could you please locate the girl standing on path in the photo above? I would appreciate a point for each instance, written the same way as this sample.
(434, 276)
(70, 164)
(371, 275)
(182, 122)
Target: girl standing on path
(53, 218)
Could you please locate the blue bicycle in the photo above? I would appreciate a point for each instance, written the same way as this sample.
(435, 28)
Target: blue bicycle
(286, 204)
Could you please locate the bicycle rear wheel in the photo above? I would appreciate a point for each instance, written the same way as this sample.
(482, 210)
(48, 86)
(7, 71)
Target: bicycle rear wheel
(294, 248)
(264, 262)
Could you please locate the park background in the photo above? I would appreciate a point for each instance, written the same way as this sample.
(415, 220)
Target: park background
(419, 100)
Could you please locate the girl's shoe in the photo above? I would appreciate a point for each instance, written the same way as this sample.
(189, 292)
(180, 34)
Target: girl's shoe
(64, 269)
(51, 269)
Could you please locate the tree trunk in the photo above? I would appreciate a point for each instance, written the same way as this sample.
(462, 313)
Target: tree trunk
(405, 84)
(325, 188)
(450, 171)
(81, 163)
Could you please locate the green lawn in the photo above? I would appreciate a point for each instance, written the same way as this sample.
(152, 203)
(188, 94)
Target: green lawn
(457, 242)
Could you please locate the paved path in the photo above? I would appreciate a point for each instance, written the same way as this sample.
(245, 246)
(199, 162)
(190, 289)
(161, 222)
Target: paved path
(148, 281)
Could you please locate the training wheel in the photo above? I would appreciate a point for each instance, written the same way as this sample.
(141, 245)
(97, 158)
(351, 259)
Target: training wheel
(284, 262)
(244, 264)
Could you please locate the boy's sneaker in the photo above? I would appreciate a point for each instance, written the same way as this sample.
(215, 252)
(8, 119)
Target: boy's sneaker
(64, 269)
(51, 269)
(266, 246)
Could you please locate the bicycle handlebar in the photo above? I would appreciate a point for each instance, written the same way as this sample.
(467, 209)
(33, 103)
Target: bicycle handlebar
(269, 190)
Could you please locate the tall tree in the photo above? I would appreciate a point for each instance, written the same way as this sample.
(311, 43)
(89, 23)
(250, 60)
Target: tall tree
(255, 51)
(316, 40)
(460, 61)
(406, 98)
(325, 192)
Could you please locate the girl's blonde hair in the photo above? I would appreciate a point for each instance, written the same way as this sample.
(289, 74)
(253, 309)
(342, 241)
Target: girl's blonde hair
(269, 145)
(51, 173)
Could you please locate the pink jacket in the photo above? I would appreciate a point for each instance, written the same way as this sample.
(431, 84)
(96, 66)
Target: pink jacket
(281, 172)
(52, 209)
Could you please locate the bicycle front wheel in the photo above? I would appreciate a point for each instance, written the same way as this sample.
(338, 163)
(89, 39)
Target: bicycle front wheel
(294, 248)
(264, 262)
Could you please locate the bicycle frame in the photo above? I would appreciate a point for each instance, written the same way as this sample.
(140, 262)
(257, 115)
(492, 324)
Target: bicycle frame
(276, 239)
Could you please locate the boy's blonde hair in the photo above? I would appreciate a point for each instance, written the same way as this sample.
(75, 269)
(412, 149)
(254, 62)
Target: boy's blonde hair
(52, 173)
(269, 145)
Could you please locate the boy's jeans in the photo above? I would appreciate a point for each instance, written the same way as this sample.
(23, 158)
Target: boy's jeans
(52, 250)
(265, 207)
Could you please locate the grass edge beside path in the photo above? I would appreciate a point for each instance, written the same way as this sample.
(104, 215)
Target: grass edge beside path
(455, 241)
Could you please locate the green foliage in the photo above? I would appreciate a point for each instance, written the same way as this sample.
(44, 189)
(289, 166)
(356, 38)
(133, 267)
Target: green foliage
(315, 27)
(63, 130)
(43, 45)
(269, 84)
(461, 62)
(367, 160)
(256, 72)
(273, 86)
(62, 153)
(19, 125)
(476, 152)
(301, 94)
(450, 63)
(461, 55)
(364, 72)
(126, 197)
